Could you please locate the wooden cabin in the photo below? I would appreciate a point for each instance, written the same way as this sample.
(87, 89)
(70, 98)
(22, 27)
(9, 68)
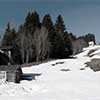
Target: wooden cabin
(9, 72)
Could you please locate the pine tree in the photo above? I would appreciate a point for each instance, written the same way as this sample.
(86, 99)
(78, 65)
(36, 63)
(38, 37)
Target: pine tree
(32, 21)
(64, 42)
(60, 24)
(9, 36)
(27, 20)
(90, 37)
(47, 22)
(59, 38)
(13, 36)
(36, 19)
(5, 37)
(72, 37)
(68, 44)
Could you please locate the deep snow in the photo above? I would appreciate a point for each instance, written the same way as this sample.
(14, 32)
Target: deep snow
(54, 84)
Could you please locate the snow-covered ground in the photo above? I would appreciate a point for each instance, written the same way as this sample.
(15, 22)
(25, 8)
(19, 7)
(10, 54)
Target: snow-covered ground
(59, 80)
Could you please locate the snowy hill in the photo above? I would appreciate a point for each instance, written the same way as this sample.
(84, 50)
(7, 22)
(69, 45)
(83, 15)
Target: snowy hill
(66, 79)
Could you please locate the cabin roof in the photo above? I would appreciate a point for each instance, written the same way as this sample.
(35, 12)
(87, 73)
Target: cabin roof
(9, 68)
(6, 48)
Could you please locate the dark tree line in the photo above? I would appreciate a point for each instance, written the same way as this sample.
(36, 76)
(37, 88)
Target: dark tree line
(39, 41)
(88, 37)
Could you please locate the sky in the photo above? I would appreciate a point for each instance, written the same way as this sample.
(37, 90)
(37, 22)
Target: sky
(80, 16)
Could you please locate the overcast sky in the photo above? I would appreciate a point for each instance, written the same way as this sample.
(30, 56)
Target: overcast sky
(80, 16)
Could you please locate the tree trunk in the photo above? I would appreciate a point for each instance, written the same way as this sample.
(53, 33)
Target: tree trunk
(27, 56)
(23, 55)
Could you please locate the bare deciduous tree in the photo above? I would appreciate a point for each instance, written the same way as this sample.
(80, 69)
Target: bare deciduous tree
(41, 44)
(25, 42)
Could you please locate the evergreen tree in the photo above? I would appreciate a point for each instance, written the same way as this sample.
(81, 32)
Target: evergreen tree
(13, 36)
(60, 24)
(72, 37)
(89, 37)
(59, 45)
(35, 19)
(27, 20)
(20, 38)
(65, 46)
(68, 45)
(47, 22)
(32, 21)
(9, 36)
(5, 38)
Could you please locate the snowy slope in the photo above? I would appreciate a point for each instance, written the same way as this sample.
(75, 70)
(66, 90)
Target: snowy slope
(54, 84)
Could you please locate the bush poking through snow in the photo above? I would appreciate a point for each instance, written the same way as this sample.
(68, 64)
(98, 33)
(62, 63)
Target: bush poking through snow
(90, 52)
(82, 68)
(65, 70)
(57, 63)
